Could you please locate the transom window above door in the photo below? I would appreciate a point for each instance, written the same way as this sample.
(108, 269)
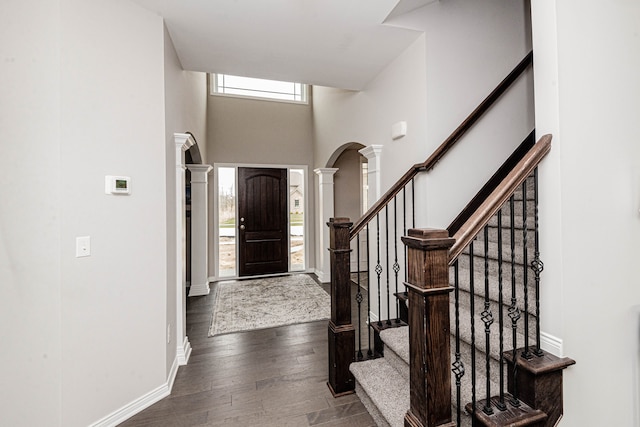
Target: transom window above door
(247, 87)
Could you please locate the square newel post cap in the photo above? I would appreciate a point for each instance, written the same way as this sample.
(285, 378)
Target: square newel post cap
(340, 222)
(428, 239)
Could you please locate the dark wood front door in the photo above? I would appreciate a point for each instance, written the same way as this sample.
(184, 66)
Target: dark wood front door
(262, 221)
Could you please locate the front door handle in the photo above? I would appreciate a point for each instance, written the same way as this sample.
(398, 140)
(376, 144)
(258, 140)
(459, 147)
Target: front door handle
(242, 227)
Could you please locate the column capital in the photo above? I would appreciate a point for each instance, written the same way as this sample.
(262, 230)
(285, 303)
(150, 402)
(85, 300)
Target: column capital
(183, 141)
(326, 174)
(372, 151)
(199, 173)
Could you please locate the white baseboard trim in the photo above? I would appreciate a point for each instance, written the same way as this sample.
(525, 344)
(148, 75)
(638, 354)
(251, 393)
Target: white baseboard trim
(321, 276)
(551, 344)
(141, 403)
(199, 290)
(183, 351)
(172, 374)
(373, 317)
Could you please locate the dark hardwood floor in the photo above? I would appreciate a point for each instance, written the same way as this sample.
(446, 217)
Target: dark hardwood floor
(271, 377)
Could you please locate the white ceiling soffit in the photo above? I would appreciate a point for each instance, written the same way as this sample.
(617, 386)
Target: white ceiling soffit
(337, 43)
(406, 6)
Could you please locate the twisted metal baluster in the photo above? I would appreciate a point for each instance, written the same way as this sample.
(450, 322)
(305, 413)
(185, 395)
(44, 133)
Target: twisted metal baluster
(525, 269)
(359, 299)
(487, 318)
(500, 404)
(396, 266)
(378, 269)
(369, 351)
(473, 327)
(537, 265)
(386, 230)
(514, 311)
(458, 366)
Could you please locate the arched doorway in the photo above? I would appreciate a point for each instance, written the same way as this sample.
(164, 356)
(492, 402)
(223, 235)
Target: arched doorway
(350, 185)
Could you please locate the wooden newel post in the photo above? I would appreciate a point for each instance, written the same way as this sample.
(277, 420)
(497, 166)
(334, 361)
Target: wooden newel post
(430, 361)
(342, 334)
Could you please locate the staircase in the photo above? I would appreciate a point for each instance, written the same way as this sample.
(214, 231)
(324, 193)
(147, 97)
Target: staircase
(383, 384)
(470, 354)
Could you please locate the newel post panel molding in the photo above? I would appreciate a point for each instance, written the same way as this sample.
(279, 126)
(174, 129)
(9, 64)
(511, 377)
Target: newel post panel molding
(183, 141)
(342, 334)
(199, 230)
(430, 361)
(325, 210)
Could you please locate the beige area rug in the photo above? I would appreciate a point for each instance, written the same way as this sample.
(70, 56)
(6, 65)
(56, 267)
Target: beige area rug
(246, 305)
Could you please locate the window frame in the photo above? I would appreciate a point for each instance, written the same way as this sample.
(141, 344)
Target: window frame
(213, 90)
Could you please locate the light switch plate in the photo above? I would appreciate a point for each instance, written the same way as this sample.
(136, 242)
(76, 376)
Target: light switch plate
(83, 246)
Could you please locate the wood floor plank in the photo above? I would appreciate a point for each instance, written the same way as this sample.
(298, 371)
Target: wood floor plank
(270, 377)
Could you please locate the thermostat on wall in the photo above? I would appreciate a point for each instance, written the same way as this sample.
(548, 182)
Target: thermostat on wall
(117, 184)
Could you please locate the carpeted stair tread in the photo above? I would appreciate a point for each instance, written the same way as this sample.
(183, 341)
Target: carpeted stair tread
(396, 343)
(492, 251)
(385, 388)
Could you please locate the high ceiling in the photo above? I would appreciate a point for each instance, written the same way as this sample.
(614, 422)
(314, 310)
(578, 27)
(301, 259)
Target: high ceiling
(338, 43)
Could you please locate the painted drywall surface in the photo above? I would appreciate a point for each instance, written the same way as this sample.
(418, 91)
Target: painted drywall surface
(596, 157)
(257, 132)
(185, 111)
(112, 123)
(30, 214)
(467, 49)
(347, 185)
(470, 47)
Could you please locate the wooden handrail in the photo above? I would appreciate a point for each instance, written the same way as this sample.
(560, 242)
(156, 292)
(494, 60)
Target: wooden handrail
(445, 146)
(499, 196)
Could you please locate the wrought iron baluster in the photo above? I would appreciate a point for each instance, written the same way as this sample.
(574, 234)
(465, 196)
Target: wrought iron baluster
(386, 230)
(514, 311)
(525, 269)
(458, 366)
(500, 404)
(487, 318)
(370, 345)
(396, 266)
(413, 202)
(404, 232)
(537, 265)
(473, 327)
(359, 299)
(378, 269)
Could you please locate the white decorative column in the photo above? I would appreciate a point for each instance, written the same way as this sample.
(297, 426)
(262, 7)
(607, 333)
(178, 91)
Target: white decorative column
(325, 211)
(199, 230)
(373, 153)
(183, 141)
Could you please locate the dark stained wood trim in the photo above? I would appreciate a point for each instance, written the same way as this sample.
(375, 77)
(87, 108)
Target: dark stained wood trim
(429, 335)
(446, 145)
(341, 331)
(499, 196)
(539, 382)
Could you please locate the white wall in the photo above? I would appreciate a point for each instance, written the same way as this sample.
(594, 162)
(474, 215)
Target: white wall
(470, 47)
(260, 132)
(467, 48)
(185, 111)
(112, 122)
(587, 95)
(30, 214)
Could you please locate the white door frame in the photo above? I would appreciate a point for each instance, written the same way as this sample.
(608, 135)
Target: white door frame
(216, 238)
